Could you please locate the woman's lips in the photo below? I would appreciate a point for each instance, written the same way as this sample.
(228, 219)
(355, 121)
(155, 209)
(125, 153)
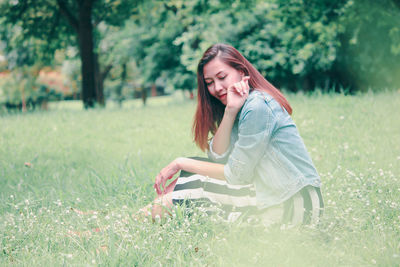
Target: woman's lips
(222, 96)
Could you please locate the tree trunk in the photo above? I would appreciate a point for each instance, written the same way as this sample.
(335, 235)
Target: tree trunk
(85, 36)
(153, 90)
(99, 77)
(122, 84)
(99, 81)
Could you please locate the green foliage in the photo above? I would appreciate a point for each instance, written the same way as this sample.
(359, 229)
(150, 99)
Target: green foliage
(33, 31)
(17, 85)
(9, 89)
(296, 44)
(153, 48)
(40, 28)
(370, 52)
(288, 41)
(23, 86)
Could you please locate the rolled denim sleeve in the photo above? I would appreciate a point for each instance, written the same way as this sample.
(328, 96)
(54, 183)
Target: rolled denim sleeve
(256, 123)
(217, 157)
(223, 158)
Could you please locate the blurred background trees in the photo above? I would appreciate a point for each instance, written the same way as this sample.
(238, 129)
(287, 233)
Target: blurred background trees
(42, 27)
(122, 49)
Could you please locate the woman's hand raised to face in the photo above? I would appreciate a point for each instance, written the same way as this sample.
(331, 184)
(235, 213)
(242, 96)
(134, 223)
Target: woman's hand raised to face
(237, 94)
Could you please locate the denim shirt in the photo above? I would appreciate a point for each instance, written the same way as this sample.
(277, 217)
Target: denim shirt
(267, 151)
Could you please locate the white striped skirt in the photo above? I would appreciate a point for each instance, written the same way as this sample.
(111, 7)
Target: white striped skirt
(234, 201)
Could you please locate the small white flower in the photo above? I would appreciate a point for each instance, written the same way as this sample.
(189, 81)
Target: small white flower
(205, 235)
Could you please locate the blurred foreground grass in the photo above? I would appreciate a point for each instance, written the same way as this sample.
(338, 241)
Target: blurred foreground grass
(106, 160)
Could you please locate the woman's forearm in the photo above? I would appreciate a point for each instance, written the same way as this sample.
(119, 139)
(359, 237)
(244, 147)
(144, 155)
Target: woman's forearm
(222, 137)
(213, 170)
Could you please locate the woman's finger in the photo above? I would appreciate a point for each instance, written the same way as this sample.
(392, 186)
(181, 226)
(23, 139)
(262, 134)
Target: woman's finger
(171, 186)
(238, 88)
(157, 189)
(244, 86)
(163, 184)
(164, 179)
(246, 82)
(158, 183)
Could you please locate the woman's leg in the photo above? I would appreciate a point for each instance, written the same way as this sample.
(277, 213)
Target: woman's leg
(162, 204)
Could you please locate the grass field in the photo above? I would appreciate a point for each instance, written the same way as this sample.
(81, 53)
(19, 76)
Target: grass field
(106, 160)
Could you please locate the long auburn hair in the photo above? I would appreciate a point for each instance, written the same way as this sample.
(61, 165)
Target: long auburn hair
(210, 110)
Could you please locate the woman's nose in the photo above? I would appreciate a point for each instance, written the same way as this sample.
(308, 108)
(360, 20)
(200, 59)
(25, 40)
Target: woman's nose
(218, 86)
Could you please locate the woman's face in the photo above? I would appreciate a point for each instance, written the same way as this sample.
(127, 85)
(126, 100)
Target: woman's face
(219, 76)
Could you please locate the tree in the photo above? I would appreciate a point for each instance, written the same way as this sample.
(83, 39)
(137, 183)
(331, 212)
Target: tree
(155, 39)
(369, 54)
(56, 24)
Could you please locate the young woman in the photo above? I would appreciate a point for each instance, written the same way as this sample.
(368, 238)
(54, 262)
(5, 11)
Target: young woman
(257, 159)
